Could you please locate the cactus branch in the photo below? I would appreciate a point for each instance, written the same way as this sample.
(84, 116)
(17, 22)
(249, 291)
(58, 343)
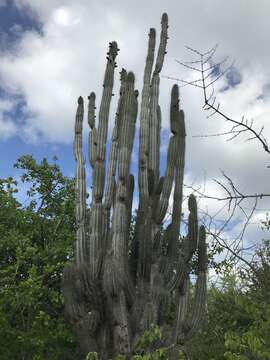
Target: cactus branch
(80, 186)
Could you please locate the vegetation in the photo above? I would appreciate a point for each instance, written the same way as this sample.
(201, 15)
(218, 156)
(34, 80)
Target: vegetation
(238, 322)
(36, 242)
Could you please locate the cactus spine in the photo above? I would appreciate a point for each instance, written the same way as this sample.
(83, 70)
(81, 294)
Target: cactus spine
(120, 283)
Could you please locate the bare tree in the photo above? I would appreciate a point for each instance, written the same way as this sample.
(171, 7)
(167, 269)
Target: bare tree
(206, 68)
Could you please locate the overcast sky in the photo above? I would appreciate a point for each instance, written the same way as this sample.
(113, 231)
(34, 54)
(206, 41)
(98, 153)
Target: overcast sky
(53, 51)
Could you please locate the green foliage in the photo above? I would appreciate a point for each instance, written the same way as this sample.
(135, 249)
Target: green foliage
(238, 324)
(266, 222)
(147, 343)
(36, 241)
(92, 356)
(145, 347)
(149, 338)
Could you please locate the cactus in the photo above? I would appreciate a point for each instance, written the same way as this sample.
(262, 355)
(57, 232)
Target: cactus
(120, 284)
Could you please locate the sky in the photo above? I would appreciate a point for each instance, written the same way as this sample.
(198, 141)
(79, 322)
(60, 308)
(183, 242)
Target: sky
(53, 51)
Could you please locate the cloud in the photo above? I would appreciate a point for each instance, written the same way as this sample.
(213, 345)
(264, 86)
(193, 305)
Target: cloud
(50, 68)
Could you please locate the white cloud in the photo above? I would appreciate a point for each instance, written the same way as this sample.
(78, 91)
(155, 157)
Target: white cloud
(51, 69)
(67, 59)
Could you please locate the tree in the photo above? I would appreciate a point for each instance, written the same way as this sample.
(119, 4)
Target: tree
(36, 242)
(114, 290)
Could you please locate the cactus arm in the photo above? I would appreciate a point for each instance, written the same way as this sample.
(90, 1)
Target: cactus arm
(130, 282)
(106, 100)
(80, 185)
(144, 235)
(179, 275)
(159, 117)
(192, 236)
(149, 150)
(179, 176)
(154, 127)
(111, 178)
(199, 308)
(120, 214)
(116, 280)
(163, 43)
(127, 132)
(91, 110)
(155, 115)
(110, 186)
(189, 245)
(177, 197)
(134, 118)
(96, 225)
(131, 184)
(92, 140)
(99, 166)
(97, 238)
(182, 310)
(144, 119)
(135, 243)
(163, 203)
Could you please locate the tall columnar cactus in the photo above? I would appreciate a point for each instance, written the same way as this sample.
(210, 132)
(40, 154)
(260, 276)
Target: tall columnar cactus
(123, 281)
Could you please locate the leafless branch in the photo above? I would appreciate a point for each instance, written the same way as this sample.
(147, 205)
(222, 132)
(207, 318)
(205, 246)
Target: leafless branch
(234, 250)
(207, 68)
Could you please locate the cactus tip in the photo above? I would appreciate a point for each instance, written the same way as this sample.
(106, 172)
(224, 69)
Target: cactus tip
(152, 33)
(92, 96)
(130, 77)
(182, 123)
(123, 75)
(80, 100)
(113, 49)
(164, 18)
(192, 202)
(175, 90)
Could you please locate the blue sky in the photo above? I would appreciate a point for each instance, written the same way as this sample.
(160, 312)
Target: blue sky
(11, 17)
(13, 20)
(53, 51)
